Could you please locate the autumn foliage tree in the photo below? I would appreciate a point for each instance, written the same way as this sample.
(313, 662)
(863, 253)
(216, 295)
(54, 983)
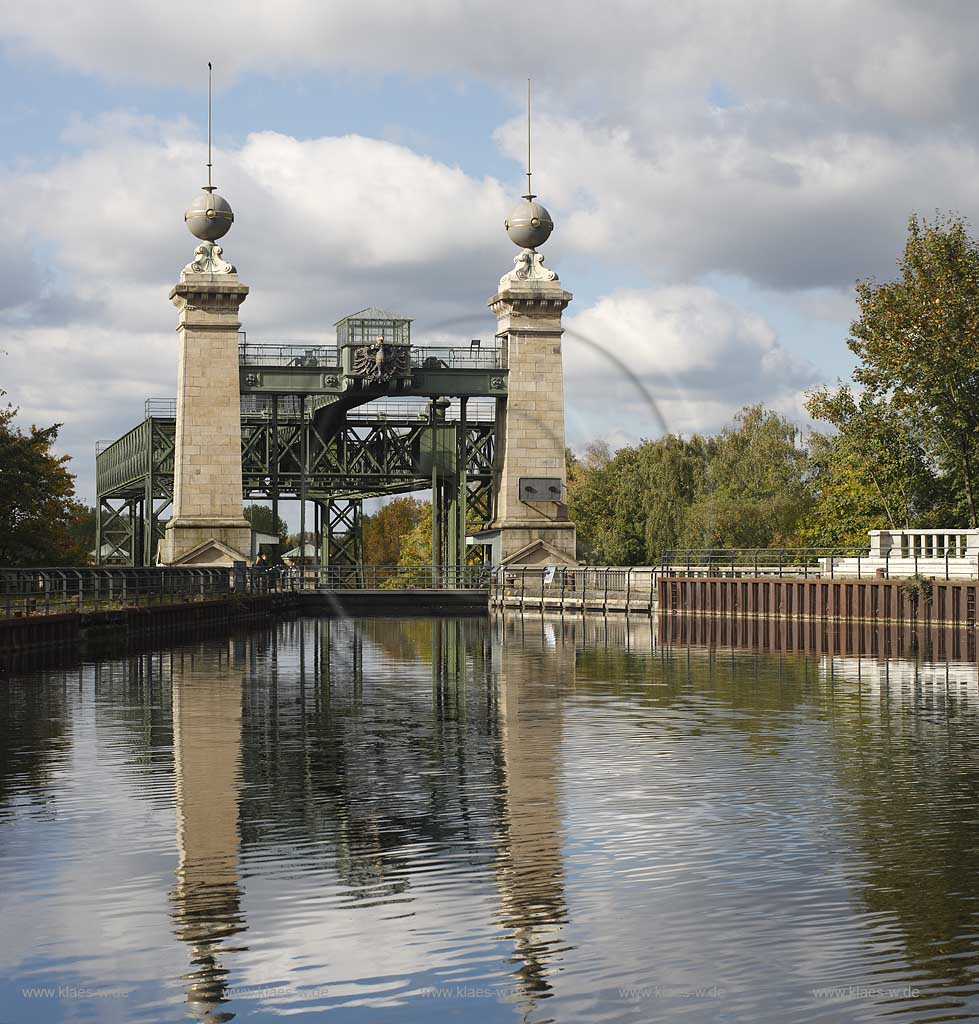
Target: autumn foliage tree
(38, 511)
(385, 531)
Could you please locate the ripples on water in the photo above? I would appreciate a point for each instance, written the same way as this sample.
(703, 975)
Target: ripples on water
(508, 820)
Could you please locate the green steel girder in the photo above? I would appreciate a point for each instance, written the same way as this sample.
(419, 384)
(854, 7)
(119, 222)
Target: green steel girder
(372, 457)
(425, 382)
(343, 539)
(298, 441)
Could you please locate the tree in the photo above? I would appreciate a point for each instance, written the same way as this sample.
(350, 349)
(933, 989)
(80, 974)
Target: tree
(747, 487)
(416, 543)
(916, 339)
(874, 472)
(260, 518)
(82, 527)
(385, 530)
(588, 497)
(754, 491)
(38, 510)
(661, 483)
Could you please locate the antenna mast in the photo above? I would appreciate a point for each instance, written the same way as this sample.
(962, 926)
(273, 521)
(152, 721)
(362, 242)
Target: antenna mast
(209, 187)
(530, 192)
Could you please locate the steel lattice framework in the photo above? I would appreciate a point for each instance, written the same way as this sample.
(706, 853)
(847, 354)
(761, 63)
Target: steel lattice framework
(292, 458)
(317, 425)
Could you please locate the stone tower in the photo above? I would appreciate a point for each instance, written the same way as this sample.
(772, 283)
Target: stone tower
(207, 526)
(530, 524)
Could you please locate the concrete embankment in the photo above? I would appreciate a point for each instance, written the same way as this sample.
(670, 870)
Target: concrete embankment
(106, 627)
(33, 632)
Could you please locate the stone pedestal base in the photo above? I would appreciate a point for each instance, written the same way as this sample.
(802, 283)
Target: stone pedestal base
(530, 543)
(205, 542)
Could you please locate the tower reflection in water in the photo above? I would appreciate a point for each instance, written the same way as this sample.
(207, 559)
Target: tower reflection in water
(207, 742)
(308, 693)
(531, 672)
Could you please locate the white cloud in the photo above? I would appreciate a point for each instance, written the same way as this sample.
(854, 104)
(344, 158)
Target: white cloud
(899, 57)
(835, 120)
(682, 357)
(324, 227)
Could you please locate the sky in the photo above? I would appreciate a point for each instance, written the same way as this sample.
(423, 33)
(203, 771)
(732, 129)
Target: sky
(719, 176)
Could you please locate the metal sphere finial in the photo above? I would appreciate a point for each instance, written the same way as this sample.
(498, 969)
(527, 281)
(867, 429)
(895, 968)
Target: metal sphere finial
(529, 224)
(209, 217)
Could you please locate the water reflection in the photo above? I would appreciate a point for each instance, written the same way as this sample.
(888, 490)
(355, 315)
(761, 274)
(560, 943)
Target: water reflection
(207, 720)
(531, 818)
(532, 674)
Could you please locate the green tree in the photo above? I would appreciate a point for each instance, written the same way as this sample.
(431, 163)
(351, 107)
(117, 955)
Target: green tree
(38, 510)
(661, 482)
(82, 527)
(747, 487)
(416, 543)
(916, 339)
(589, 503)
(873, 471)
(260, 518)
(755, 490)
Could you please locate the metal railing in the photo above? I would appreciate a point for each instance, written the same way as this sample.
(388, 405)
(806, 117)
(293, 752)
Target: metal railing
(160, 408)
(26, 592)
(830, 562)
(449, 357)
(398, 577)
(287, 353)
(629, 588)
(429, 357)
(478, 410)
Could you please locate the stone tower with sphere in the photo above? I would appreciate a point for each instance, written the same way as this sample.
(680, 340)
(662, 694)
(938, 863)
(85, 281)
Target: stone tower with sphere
(530, 523)
(207, 526)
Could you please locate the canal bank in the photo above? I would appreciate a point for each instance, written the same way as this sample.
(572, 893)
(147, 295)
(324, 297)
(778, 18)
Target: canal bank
(899, 601)
(29, 633)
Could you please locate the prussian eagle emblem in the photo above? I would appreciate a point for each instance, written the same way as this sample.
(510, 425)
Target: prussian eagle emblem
(378, 362)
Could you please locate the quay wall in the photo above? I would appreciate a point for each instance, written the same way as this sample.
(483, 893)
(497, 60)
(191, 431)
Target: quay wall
(31, 633)
(821, 637)
(853, 600)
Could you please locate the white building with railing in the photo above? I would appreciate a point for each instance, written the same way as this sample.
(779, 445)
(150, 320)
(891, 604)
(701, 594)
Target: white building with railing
(943, 554)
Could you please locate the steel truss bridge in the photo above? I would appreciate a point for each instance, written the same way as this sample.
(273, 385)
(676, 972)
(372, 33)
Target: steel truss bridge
(316, 428)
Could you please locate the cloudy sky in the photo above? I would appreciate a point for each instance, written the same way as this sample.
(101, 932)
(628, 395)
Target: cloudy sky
(719, 175)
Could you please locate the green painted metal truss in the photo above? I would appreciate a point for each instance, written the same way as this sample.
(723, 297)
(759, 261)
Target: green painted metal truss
(321, 424)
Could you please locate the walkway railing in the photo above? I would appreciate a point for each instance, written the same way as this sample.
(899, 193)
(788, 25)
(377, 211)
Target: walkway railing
(429, 357)
(26, 592)
(577, 588)
(398, 577)
(92, 588)
(831, 562)
(287, 353)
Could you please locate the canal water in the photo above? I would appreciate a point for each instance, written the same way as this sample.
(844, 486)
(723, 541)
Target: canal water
(520, 819)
